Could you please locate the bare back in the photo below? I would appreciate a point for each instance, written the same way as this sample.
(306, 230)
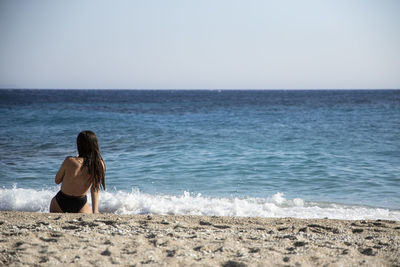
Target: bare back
(75, 179)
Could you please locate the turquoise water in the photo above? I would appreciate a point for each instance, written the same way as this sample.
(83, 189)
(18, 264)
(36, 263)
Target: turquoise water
(291, 149)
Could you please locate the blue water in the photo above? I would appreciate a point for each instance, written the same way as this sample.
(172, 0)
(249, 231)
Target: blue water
(300, 150)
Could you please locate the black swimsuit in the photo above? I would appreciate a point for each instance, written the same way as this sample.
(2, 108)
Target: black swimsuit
(69, 203)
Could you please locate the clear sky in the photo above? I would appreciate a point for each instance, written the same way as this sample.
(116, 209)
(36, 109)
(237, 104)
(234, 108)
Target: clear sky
(203, 44)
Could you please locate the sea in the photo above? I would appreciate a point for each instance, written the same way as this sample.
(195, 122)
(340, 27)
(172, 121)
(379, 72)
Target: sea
(259, 153)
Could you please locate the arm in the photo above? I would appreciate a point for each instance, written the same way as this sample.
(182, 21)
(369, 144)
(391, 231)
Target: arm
(61, 172)
(95, 194)
(95, 199)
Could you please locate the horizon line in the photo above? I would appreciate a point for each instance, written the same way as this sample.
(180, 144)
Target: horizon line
(204, 89)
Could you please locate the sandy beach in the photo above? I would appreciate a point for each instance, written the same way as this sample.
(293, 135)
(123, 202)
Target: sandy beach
(154, 240)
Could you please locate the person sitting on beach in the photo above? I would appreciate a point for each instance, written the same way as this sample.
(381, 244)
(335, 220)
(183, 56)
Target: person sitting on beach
(79, 174)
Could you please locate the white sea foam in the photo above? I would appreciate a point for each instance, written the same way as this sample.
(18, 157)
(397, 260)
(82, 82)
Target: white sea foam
(20, 199)
(136, 202)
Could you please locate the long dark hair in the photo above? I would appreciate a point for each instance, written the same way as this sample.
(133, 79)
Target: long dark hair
(88, 149)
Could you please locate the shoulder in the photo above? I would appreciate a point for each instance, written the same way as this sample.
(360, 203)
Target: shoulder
(68, 159)
(72, 161)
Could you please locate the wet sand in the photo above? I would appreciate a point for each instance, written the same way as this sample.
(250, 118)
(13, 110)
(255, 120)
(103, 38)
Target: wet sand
(44, 239)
